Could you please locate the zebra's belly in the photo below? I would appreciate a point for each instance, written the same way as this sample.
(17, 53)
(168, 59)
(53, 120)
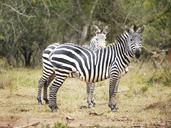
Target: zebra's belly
(92, 78)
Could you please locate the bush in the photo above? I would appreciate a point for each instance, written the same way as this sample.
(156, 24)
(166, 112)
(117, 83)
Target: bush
(162, 75)
(5, 80)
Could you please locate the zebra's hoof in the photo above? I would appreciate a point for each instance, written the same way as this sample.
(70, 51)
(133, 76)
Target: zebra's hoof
(94, 104)
(46, 101)
(53, 108)
(90, 105)
(114, 108)
(39, 101)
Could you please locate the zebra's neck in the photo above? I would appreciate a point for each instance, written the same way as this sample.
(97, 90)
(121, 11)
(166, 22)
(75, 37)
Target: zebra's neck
(122, 44)
(121, 50)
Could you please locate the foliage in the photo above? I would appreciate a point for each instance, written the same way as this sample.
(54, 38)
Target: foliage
(161, 76)
(56, 125)
(156, 16)
(59, 125)
(28, 26)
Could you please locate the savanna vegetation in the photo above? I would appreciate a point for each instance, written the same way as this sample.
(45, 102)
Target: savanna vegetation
(28, 26)
(144, 100)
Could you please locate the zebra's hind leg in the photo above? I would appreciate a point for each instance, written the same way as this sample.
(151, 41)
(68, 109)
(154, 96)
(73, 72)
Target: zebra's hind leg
(53, 92)
(90, 91)
(45, 97)
(41, 83)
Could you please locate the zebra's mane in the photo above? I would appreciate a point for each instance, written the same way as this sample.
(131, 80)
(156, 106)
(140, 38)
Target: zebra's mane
(122, 37)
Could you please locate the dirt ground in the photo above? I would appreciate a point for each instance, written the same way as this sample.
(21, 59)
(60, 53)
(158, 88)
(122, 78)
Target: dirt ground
(19, 109)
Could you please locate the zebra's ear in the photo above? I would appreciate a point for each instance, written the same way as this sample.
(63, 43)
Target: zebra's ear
(96, 29)
(131, 29)
(140, 29)
(135, 28)
(105, 30)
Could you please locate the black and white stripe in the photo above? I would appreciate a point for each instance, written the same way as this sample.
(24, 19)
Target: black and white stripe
(48, 73)
(98, 41)
(109, 62)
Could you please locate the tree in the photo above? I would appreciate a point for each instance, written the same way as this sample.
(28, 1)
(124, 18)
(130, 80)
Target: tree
(28, 26)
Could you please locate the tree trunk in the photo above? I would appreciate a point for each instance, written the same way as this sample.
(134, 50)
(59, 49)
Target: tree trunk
(27, 58)
(84, 33)
(87, 24)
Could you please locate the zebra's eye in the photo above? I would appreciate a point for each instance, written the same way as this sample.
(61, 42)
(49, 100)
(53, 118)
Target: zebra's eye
(131, 39)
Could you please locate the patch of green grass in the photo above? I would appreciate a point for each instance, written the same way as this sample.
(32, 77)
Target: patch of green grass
(60, 125)
(22, 77)
(144, 89)
(45, 126)
(7, 81)
(55, 125)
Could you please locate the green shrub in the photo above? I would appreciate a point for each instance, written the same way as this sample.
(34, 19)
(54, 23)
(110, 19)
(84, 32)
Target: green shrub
(162, 75)
(5, 82)
(45, 126)
(144, 89)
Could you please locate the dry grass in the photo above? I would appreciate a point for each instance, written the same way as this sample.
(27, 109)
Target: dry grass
(141, 105)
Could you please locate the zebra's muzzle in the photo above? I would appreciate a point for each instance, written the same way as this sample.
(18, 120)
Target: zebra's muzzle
(137, 53)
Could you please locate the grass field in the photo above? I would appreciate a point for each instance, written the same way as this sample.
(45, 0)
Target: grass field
(144, 100)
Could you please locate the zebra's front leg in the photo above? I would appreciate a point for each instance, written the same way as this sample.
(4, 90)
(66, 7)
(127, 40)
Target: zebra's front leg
(113, 88)
(90, 91)
(53, 92)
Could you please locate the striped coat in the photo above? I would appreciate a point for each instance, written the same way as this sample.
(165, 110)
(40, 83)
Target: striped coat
(109, 62)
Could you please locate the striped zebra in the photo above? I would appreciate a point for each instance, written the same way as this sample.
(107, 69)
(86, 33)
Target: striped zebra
(97, 41)
(92, 67)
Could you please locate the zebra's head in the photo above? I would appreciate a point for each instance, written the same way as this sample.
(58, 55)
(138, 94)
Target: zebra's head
(134, 40)
(99, 40)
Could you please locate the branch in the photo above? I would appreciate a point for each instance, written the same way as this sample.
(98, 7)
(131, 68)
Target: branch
(13, 9)
(87, 24)
(126, 18)
(13, 31)
(146, 49)
(48, 12)
(68, 23)
(80, 8)
(120, 25)
(92, 10)
(157, 17)
(31, 125)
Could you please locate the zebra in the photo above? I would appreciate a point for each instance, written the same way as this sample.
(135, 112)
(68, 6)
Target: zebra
(108, 62)
(100, 35)
(97, 41)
